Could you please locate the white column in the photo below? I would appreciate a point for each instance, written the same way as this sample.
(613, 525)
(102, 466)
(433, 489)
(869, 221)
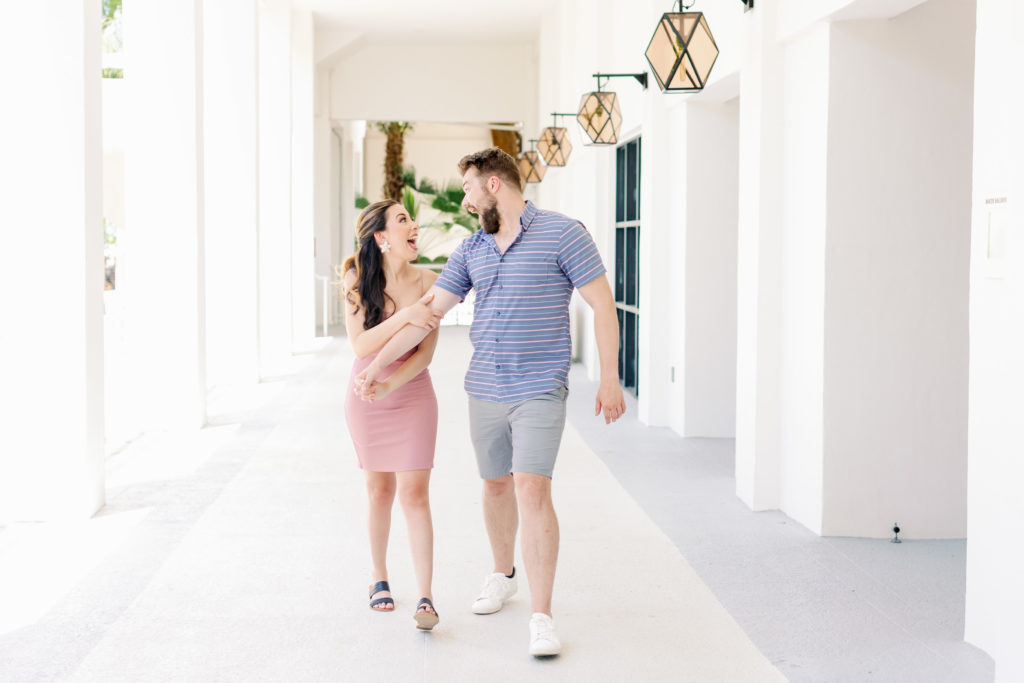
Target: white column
(275, 313)
(346, 192)
(656, 228)
(324, 144)
(163, 247)
(759, 265)
(231, 127)
(302, 209)
(707, 370)
(805, 92)
(51, 278)
(995, 593)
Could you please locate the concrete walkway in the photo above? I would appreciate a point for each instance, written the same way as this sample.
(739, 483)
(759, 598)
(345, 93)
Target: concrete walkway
(238, 553)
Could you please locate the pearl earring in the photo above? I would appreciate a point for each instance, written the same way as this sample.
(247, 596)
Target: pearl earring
(385, 246)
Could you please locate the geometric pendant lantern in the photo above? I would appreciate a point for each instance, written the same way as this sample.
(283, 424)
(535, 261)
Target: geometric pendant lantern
(554, 144)
(600, 117)
(682, 51)
(531, 167)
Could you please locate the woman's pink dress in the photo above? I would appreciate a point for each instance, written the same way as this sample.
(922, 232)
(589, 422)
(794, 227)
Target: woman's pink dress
(398, 432)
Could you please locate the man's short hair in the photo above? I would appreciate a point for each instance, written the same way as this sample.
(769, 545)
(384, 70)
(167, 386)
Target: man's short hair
(493, 161)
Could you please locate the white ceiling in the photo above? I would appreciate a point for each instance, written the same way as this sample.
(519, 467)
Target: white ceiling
(468, 21)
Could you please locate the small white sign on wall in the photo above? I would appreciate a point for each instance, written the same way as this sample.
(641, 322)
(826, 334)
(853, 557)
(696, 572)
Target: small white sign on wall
(995, 237)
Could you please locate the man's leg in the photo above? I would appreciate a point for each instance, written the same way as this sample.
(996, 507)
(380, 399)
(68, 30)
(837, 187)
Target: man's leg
(537, 426)
(539, 538)
(492, 442)
(501, 517)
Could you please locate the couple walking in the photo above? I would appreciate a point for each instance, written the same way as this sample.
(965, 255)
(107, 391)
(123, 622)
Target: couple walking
(524, 265)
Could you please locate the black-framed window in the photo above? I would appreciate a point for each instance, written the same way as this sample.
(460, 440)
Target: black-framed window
(627, 259)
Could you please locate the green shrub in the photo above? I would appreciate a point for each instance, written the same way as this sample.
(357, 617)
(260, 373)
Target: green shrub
(411, 205)
(362, 202)
(427, 187)
(442, 204)
(467, 222)
(409, 176)
(454, 194)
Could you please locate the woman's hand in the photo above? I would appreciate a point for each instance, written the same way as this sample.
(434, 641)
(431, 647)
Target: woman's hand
(422, 315)
(376, 391)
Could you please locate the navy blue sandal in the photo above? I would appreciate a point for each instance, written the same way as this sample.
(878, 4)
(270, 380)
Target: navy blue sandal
(425, 620)
(377, 588)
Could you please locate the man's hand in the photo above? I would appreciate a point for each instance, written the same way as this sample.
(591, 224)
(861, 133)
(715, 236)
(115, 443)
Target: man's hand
(610, 400)
(421, 314)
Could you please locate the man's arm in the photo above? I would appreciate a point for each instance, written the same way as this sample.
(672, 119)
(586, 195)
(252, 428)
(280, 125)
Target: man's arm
(598, 296)
(406, 338)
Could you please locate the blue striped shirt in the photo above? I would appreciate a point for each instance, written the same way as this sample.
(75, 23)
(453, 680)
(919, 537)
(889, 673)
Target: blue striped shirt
(520, 330)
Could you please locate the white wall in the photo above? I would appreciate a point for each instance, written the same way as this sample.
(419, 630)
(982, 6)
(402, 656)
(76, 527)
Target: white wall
(896, 322)
(426, 82)
(852, 300)
(114, 125)
(711, 151)
(995, 593)
(433, 149)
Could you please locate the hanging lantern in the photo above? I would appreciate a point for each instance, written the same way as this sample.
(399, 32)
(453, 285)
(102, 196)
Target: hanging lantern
(599, 113)
(531, 167)
(554, 144)
(600, 117)
(682, 51)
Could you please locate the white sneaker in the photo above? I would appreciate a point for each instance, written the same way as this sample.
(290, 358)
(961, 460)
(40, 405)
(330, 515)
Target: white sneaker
(497, 589)
(543, 641)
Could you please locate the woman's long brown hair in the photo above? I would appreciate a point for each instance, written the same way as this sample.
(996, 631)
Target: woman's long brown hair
(368, 263)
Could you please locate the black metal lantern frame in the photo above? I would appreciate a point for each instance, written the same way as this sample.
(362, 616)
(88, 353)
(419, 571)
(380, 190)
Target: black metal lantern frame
(599, 115)
(554, 144)
(682, 50)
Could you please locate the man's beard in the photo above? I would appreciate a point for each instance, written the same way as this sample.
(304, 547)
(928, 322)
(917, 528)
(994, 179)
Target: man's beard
(490, 219)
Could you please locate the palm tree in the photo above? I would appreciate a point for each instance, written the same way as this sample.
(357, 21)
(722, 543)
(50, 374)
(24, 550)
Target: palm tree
(395, 132)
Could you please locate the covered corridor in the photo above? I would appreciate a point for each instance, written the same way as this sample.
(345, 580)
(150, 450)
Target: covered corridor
(818, 268)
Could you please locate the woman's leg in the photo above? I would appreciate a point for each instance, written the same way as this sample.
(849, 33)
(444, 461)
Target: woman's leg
(380, 493)
(414, 495)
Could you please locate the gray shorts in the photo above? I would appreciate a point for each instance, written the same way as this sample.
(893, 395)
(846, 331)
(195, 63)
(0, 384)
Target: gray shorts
(517, 437)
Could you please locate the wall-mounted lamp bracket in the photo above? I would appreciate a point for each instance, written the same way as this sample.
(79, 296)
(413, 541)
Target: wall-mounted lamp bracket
(640, 77)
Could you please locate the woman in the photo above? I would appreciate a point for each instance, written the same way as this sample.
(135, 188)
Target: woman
(395, 431)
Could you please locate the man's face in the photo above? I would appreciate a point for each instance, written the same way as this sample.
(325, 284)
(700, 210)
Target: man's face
(480, 200)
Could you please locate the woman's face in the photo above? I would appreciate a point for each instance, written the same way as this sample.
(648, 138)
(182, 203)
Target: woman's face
(401, 232)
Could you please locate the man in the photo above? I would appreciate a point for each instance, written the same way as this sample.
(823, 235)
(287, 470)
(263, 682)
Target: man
(523, 265)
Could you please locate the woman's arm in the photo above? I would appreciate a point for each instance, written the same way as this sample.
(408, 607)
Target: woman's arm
(413, 366)
(364, 342)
